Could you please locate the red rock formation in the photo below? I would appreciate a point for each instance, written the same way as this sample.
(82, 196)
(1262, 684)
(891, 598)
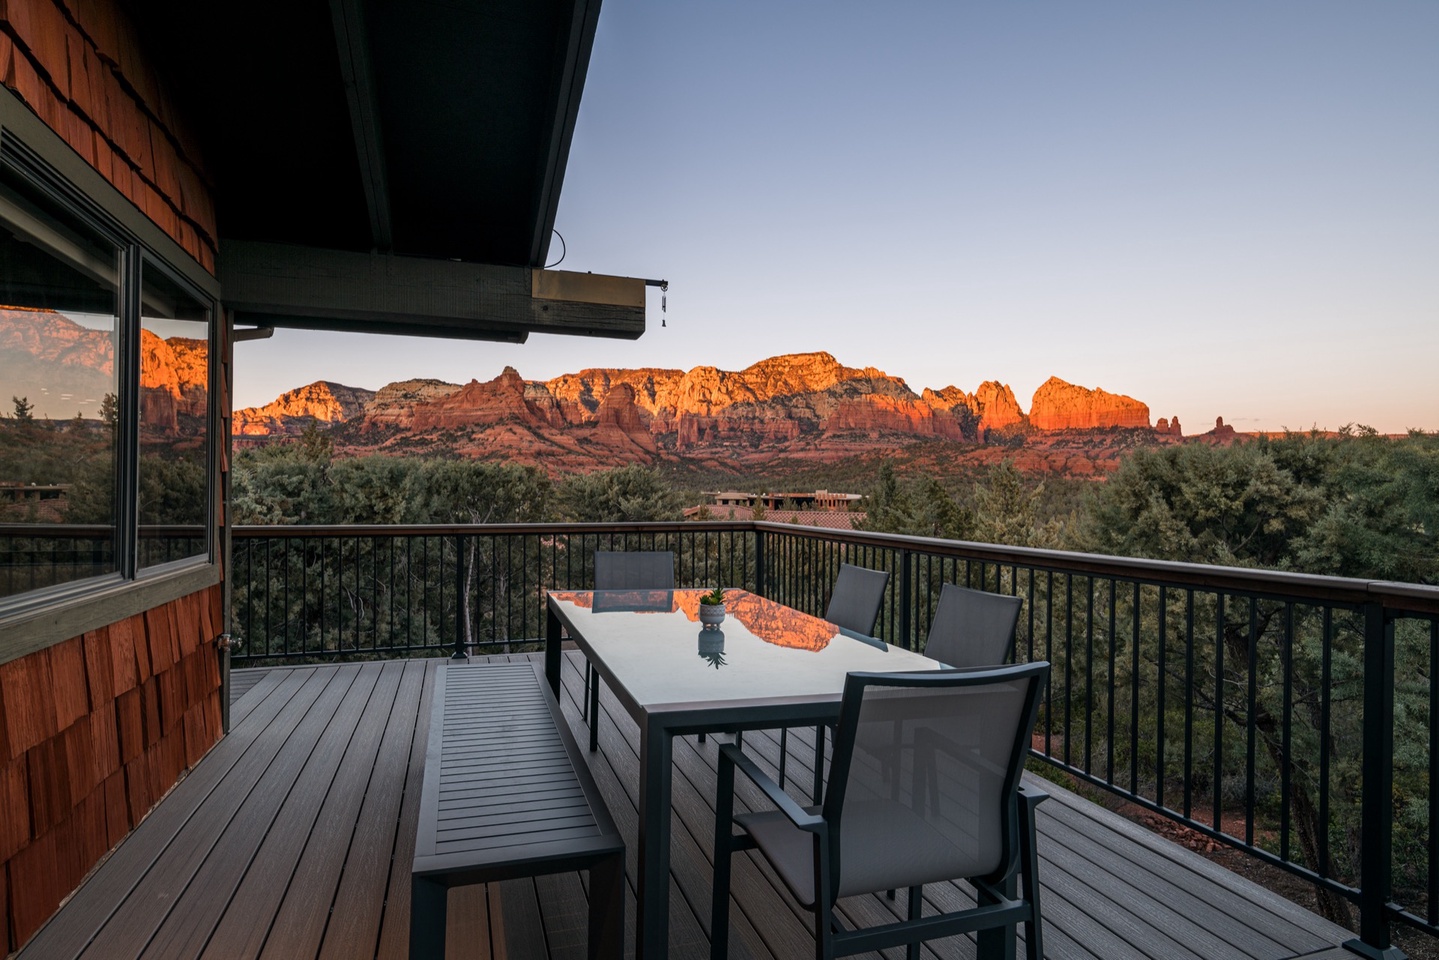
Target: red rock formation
(1168, 428)
(877, 414)
(319, 402)
(618, 423)
(393, 405)
(1222, 433)
(804, 406)
(1058, 405)
(500, 400)
(997, 407)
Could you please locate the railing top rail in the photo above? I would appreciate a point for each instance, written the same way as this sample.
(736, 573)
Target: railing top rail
(482, 529)
(1401, 597)
(1409, 597)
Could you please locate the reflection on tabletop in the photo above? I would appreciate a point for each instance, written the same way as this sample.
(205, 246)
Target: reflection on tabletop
(767, 620)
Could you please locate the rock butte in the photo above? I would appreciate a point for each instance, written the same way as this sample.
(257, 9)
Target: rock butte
(808, 406)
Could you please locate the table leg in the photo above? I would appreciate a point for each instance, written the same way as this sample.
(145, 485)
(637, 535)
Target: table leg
(552, 651)
(653, 914)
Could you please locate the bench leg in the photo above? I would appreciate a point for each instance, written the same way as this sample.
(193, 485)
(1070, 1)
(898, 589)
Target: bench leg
(607, 909)
(428, 901)
(595, 715)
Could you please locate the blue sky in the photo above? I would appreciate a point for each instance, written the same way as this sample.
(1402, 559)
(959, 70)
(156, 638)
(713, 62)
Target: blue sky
(1221, 209)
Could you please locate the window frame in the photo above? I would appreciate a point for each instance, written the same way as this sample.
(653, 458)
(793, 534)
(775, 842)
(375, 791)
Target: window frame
(35, 619)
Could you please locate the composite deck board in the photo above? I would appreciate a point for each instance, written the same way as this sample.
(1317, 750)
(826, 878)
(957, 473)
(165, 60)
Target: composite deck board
(395, 922)
(271, 880)
(1202, 926)
(214, 838)
(354, 867)
(259, 853)
(294, 838)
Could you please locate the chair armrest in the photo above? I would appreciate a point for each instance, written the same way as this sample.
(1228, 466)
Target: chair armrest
(1031, 796)
(729, 753)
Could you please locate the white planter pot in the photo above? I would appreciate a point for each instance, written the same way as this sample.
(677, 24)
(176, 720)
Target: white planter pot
(711, 614)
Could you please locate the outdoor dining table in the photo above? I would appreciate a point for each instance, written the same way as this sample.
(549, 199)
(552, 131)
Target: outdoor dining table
(766, 666)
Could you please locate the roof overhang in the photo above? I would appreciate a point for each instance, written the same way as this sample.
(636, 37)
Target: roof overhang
(404, 130)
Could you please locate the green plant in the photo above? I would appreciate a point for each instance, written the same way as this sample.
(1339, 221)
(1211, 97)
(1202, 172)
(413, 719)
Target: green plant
(714, 598)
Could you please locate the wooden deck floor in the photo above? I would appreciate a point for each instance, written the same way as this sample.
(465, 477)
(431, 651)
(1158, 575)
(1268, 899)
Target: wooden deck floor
(293, 838)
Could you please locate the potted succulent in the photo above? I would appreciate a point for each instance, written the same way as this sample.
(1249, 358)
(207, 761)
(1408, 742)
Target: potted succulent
(712, 608)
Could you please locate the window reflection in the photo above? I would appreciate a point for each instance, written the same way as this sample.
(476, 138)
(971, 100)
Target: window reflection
(174, 421)
(58, 389)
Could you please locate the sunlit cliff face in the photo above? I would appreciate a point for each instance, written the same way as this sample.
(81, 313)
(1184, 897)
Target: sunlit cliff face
(771, 622)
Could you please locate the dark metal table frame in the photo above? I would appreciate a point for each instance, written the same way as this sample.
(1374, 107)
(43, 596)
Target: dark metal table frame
(659, 724)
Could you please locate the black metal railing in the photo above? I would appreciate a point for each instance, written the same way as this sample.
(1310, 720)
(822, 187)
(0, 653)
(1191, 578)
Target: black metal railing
(1231, 700)
(1287, 715)
(321, 592)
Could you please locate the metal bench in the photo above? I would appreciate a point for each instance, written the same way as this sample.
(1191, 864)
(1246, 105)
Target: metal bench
(507, 794)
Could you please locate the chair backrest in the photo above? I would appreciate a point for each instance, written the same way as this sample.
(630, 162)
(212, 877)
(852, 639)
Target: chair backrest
(634, 570)
(972, 628)
(931, 793)
(858, 593)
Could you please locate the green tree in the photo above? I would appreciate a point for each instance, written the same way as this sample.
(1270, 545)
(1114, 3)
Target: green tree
(468, 491)
(1233, 506)
(24, 409)
(624, 494)
(1007, 509)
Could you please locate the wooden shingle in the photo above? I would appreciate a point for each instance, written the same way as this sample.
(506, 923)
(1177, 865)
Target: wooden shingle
(150, 702)
(117, 808)
(130, 721)
(69, 689)
(15, 801)
(124, 674)
(158, 634)
(29, 710)
(5, 942)
(141, 648)
(32, 901)
(77, 745)
(105, 741)
(49, 781)
(99, 668)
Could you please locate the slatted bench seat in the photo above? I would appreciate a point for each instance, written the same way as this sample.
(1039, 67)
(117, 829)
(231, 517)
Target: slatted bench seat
(507, 794)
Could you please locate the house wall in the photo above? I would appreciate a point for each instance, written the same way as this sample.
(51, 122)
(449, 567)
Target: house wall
(93, 732)
(95, 729)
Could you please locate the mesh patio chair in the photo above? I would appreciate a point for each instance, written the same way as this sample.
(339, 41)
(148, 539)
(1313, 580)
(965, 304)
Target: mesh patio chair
(625, 570)
(957, 811)
(972, 628)
(853, 605)
(634, 570)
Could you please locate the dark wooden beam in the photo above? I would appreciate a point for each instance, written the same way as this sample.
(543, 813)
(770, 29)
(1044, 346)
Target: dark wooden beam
(353, 43)
(568, 85)
(279, 285)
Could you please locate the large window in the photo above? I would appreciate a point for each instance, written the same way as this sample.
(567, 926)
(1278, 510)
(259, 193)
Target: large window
(105, 392)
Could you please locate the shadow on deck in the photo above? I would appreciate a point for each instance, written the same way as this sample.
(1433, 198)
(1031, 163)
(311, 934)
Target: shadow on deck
(293, 838)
